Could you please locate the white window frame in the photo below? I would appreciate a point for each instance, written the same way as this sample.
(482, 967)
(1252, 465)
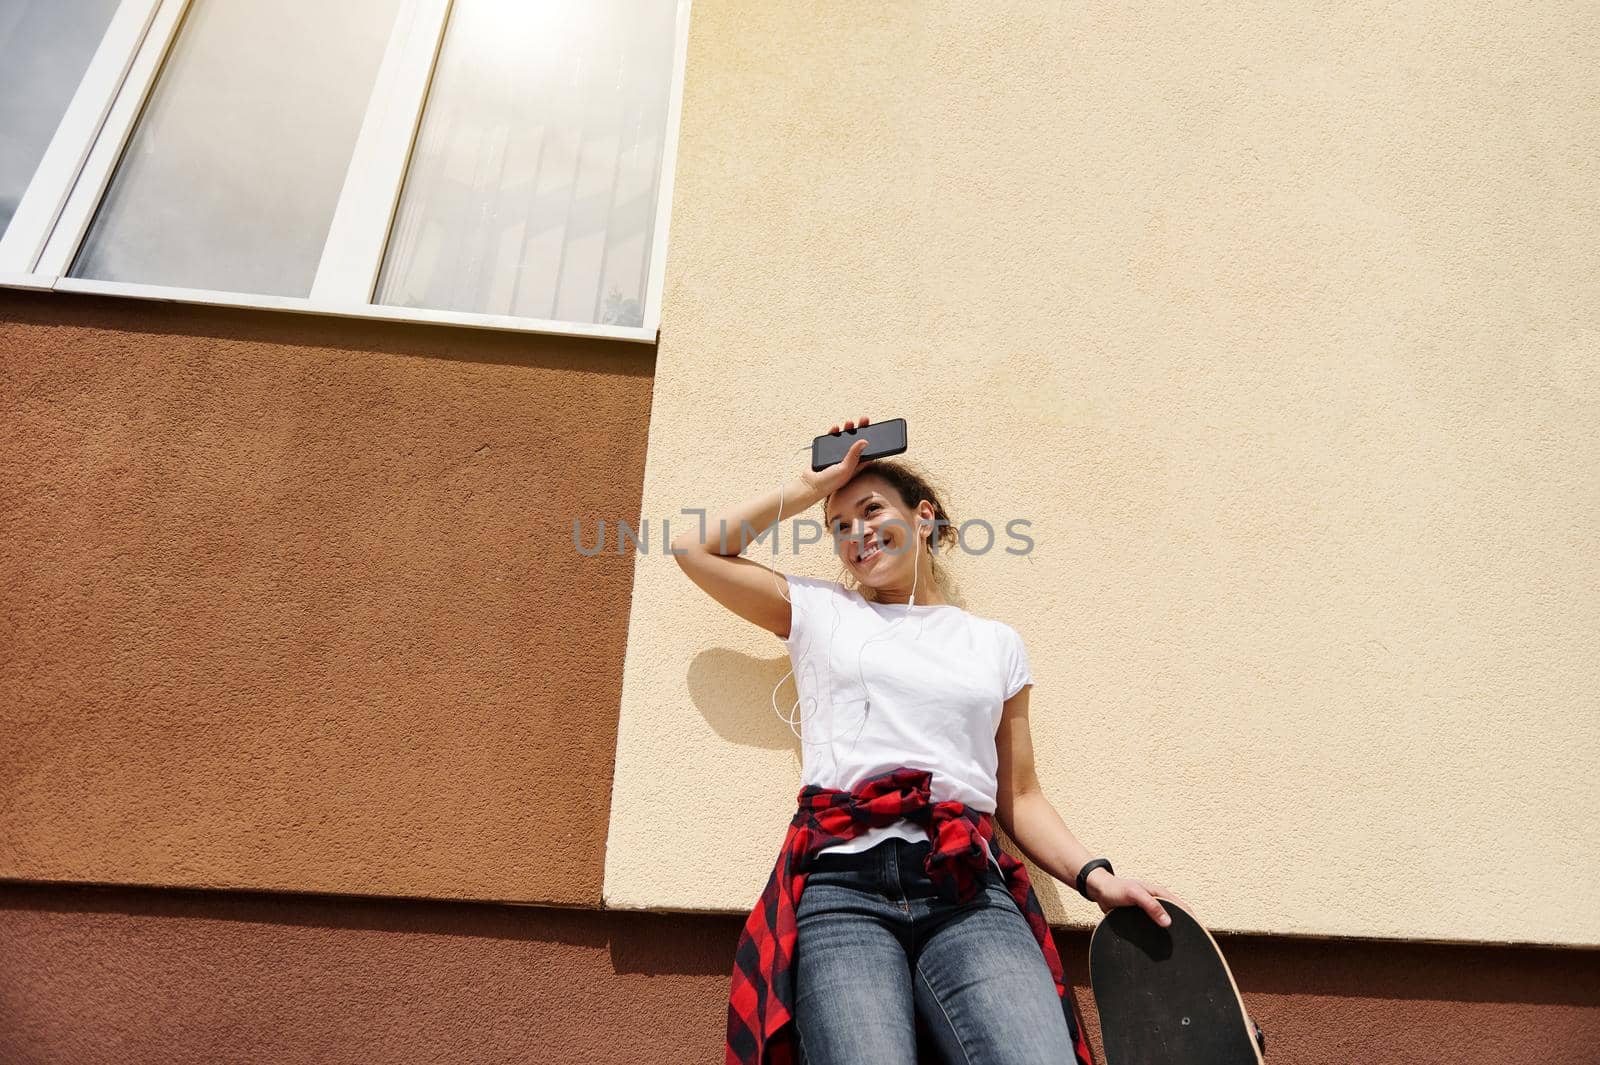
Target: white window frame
(63, 158)
(60, 202)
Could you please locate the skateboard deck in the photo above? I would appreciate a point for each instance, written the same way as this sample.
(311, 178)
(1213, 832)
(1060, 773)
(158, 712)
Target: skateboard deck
(1165, 995)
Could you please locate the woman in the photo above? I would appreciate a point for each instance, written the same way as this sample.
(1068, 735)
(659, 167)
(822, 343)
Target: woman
(910, 926)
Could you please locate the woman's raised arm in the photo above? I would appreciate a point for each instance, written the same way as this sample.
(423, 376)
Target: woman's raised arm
(749, 589)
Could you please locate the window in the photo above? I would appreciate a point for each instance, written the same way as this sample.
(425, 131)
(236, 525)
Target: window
(45, 46)
(533, 186)
(497, 163)
(231, 176)
(61, 62)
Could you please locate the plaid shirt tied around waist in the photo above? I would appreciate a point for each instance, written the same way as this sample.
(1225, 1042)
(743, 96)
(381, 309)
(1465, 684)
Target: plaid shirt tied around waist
(761, 997)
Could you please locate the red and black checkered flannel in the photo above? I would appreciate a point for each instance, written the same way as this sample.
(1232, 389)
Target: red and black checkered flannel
(761, 999)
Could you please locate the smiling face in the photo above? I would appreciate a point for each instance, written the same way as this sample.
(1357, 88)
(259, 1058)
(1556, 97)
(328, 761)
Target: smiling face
(871, 526)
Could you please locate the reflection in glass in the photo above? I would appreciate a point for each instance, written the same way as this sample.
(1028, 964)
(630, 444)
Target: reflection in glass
(230, 179)
(532, 189)
(45, 47)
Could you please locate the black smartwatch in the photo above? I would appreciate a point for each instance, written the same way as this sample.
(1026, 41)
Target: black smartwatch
(1088, 867)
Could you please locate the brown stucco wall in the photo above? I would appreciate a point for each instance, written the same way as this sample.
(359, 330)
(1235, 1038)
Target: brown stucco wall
(135, 976)
(292, 602)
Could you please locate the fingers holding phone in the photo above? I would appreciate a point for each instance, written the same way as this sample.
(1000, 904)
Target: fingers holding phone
(883, 439)
(862, 422)
(829, 467)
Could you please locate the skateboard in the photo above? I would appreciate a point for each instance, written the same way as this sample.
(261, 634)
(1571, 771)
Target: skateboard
(1165, 995)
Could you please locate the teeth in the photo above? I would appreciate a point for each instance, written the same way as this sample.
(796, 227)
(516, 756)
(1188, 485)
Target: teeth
(868, 553)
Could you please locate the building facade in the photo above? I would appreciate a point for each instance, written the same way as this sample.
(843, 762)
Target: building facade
(331, 340)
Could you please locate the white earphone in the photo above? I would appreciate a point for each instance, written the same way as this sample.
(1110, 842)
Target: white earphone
(790, 718)
(916, 572)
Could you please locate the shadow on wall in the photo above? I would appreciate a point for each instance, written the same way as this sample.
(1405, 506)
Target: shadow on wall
(294, 974)
(299, 330)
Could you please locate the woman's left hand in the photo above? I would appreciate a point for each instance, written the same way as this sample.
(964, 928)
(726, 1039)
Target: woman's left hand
(1110, 891)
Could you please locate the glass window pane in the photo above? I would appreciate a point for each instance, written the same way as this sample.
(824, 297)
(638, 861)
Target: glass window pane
(45, 46)
(532, 189)
(230, 179)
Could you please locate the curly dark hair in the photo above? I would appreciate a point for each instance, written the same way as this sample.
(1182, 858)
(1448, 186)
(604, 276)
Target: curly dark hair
(912, 486)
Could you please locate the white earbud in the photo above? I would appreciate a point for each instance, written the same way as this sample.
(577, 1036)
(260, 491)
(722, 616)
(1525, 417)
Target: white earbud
(866, 704)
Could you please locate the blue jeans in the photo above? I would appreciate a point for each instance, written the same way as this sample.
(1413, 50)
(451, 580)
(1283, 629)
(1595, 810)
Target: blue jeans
(876, 948)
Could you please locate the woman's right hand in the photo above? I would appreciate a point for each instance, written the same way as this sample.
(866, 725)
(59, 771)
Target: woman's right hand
(826, 480)
(1110, 891)
(747, 588)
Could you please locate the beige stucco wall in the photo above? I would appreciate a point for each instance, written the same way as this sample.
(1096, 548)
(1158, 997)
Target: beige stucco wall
(1280, 327)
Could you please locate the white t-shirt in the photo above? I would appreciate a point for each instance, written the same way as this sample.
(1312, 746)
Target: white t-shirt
(936, 680)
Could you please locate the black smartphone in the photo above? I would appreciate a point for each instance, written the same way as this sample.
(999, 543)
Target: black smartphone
(883, 439)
